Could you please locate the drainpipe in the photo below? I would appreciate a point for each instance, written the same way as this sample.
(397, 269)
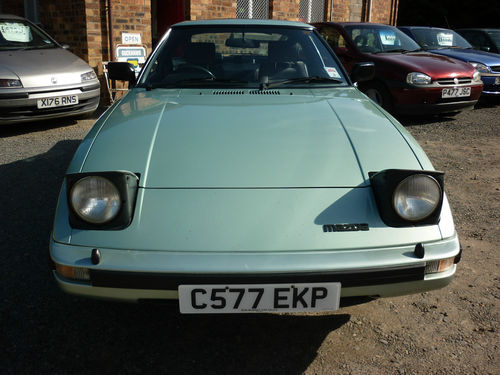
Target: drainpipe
(331, 10)
(110, 31)
(370, 11)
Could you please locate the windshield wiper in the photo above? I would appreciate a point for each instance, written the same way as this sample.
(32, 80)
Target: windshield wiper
(315, 79)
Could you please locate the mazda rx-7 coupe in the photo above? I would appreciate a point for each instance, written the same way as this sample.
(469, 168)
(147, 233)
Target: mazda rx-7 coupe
(244, 172)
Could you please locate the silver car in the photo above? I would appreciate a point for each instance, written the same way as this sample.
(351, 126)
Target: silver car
(39, 78)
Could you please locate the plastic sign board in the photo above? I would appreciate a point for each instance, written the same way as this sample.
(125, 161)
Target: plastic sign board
(133, 54)
(131, 38)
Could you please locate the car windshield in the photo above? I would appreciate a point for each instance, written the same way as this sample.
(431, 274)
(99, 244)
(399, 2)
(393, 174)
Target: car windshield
(439, 39)
(376, 39)
(241, 56)
(495, 37)
(18, 34)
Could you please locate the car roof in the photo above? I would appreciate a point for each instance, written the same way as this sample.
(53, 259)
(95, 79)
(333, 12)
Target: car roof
(353, 24)
(11, 16)
(423, 27)
(238, 22)
(479, 29)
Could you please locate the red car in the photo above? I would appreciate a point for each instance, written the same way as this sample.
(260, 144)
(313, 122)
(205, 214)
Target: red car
(407, 80)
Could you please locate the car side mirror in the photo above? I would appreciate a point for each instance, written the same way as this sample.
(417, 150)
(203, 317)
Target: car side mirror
(121, 71)
(363, 71)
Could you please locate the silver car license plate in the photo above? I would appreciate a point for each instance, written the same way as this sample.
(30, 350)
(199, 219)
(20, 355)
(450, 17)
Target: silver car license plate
(455, 92)
(252, 298)
(57, 101)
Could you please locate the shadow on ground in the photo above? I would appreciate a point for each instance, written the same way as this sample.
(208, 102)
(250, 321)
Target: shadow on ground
(13, 130)
(47, 332)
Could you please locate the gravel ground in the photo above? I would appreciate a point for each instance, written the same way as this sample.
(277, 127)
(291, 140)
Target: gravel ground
(450, 331)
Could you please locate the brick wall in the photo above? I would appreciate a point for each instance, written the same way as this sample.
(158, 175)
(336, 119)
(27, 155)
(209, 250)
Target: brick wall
(211, 9)
(65, 22)
(131, 16)
(285, 10)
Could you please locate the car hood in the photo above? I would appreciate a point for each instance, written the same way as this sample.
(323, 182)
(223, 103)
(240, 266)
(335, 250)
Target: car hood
(44, 67)
(487, 58)
(245, 139)
(436, 66)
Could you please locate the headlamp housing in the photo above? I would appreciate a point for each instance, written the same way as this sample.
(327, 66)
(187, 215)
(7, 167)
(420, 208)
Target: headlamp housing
(6, 82)
(483, 69)
(417, 78)
(101, 200)
(408, 197)
(88, 76)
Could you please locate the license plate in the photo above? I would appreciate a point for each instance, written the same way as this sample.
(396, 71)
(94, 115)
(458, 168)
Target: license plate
(455, 92)
(57, 101)
(251, 298)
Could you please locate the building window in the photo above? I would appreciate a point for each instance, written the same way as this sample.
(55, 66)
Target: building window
(252, 9)
(312, 10)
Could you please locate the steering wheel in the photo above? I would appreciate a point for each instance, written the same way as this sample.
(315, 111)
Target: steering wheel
(191, 67)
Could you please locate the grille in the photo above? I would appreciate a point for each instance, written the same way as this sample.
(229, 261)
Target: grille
(495, 69)
(447, 82)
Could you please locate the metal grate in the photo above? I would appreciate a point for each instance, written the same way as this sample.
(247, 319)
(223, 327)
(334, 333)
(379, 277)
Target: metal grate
(312, 10)
(252, 9)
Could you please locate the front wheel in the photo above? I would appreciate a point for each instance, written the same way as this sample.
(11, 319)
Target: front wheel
(379, 94)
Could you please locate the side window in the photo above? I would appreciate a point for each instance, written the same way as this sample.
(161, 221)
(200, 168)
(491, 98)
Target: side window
(333, 37)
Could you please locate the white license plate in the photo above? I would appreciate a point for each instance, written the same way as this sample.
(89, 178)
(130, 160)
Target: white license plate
(251, 298)
(57, 101)
(455, 92)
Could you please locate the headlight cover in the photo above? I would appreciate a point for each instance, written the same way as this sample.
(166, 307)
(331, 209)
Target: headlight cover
(95, 199)
(408, 197)
(89, 76)
(476, 76)
(5, 82)
(416, 197)
(417, 78)
(483, 69)
(101, 200)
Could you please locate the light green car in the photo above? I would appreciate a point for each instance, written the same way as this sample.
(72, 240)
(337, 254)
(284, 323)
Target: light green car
(245, 172)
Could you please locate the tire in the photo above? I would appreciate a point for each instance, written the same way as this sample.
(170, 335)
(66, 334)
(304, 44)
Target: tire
(379, 94)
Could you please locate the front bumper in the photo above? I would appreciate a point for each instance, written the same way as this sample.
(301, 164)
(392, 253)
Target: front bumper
(130, 275)
(413, 100)
(21, 106)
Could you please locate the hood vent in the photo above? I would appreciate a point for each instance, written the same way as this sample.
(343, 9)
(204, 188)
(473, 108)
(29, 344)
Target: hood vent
(264, 92)
(228, 92)
(241, 92)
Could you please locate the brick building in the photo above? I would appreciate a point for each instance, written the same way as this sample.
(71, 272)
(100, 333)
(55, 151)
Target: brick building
(93, 28)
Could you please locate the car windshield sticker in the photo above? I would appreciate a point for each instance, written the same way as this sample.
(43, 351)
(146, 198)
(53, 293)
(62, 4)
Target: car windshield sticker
(445, 39)
(15, 32)
(332, 72)
(387, 37)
